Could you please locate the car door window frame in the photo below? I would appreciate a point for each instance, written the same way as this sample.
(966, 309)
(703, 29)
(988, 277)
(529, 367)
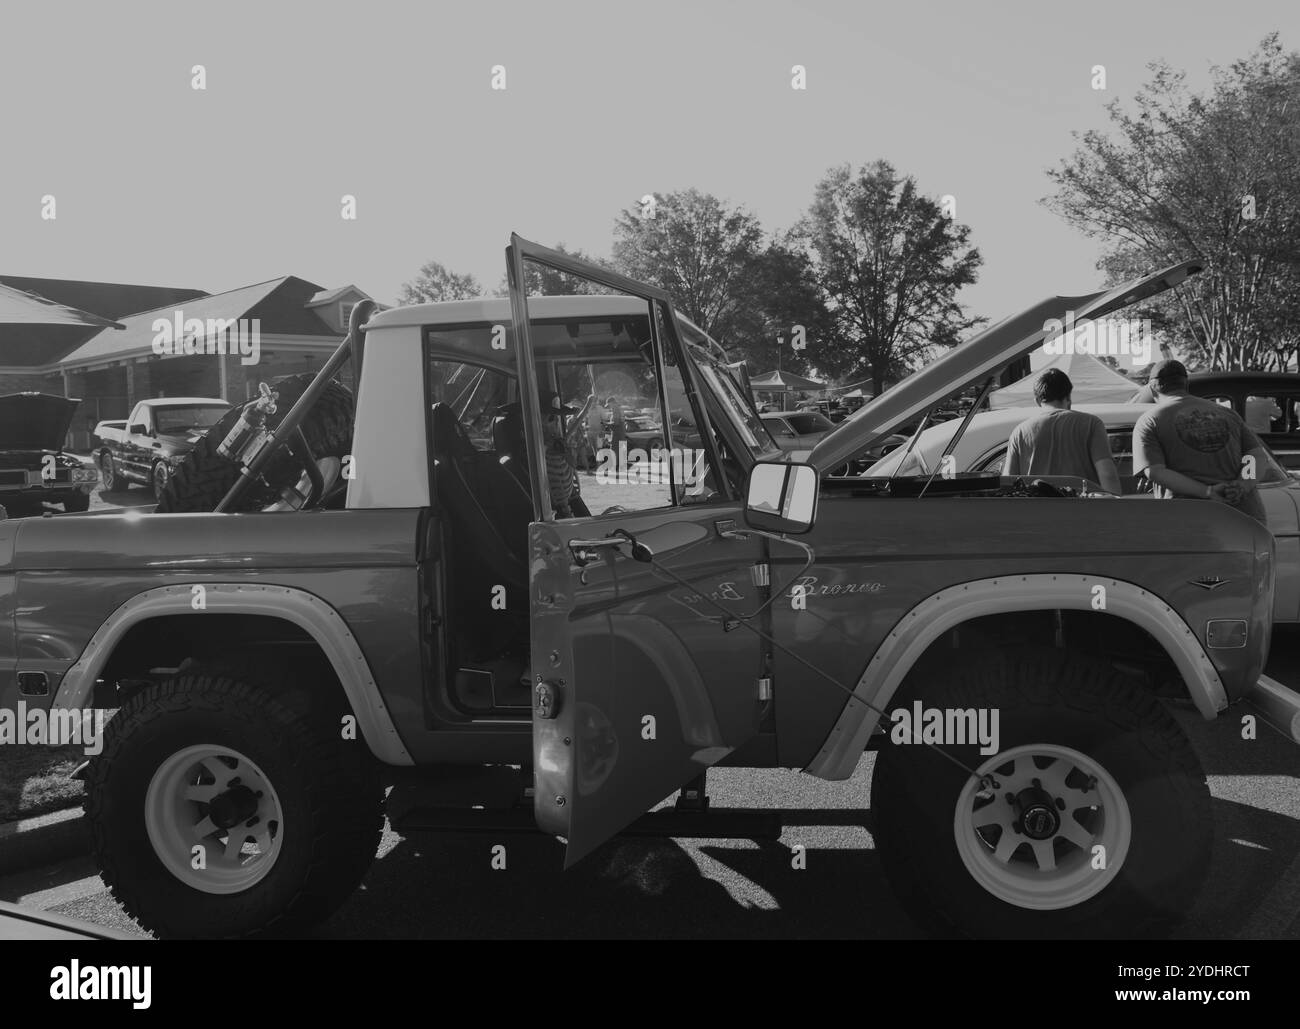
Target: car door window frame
(665, 337)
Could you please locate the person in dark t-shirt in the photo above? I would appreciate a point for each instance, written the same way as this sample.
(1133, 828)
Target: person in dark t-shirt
(1190, 447)
(1060, 441)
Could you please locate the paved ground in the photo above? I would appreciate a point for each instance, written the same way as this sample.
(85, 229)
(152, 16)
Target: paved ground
(444, 886)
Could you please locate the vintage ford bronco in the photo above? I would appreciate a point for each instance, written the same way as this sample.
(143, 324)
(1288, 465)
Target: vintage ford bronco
(365, 595)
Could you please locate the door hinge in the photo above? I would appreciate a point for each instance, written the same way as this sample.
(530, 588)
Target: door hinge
(760, 574)
(765, 689)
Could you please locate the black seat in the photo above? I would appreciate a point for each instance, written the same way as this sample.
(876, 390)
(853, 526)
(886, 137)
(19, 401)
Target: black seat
(467, 496)
(510, 443)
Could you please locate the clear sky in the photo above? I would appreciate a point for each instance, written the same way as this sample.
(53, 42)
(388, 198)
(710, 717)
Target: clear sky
(391, 102)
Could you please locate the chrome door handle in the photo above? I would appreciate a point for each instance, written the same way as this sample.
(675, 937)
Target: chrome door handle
(586, 551)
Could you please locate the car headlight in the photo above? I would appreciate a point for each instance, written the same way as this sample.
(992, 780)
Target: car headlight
(85, 475)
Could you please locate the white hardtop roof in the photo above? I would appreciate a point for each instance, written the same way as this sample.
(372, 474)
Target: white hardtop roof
(497, 309)
(184, 402)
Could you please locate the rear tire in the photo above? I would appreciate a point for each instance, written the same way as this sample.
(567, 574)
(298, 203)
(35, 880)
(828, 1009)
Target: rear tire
(204, 477)
(156, 793)
(971, 867)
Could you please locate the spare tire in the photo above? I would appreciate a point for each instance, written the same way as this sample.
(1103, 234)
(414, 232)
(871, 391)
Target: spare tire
(204, 476)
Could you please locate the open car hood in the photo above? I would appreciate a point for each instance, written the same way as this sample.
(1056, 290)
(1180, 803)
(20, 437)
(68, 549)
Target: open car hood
(34, 421)
(977, 359)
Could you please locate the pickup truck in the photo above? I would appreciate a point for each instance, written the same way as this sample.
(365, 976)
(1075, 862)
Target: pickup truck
(148, 446)
(331, 606)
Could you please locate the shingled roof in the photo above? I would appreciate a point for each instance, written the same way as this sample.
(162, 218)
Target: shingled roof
(109, 300)
(279, 304)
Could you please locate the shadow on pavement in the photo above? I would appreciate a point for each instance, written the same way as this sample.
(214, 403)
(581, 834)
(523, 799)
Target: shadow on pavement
(630, 888)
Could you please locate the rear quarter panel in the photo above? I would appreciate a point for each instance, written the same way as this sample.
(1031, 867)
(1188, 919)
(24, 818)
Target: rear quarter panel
(64, 576)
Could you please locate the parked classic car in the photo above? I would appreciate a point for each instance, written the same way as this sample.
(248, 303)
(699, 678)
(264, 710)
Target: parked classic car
(34, 470)
(983, 447)
(147, 446)
(797, 430)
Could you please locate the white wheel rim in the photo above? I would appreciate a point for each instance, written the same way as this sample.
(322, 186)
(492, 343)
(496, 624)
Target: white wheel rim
(186, 792)
(160, 476)
(1059, 870)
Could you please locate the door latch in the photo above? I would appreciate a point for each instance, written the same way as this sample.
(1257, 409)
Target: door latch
(586, 551)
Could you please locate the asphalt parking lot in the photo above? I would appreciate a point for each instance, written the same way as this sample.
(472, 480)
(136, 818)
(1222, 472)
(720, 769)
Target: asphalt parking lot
(445, 886)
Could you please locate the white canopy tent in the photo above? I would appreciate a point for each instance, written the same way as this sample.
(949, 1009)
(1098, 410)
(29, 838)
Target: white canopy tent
(1094, 383)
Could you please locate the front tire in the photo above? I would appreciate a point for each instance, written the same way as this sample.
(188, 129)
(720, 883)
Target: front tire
(217, 809)
(159, 477)
(108, 475)
(1099, 825)
(77, 503)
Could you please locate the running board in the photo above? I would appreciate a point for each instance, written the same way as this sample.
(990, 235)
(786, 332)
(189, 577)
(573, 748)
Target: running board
(1279, 703)
(715, 823)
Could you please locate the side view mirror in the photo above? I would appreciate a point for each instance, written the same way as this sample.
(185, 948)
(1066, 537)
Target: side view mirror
(138, 429)
(782, 497)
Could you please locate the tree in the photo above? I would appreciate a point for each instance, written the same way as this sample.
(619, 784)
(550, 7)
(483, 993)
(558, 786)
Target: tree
(698, 250)
(435, 283)
(785, 318)
(547, 282)
(888, 264)
(1214, 177)
(745, 290)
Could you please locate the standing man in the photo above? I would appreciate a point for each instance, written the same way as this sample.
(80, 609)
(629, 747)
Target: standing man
(595, 429)
(1189, 447)
(1061, 441)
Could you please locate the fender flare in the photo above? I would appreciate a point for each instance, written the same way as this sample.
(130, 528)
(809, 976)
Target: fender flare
(941, 611)
(305, 610)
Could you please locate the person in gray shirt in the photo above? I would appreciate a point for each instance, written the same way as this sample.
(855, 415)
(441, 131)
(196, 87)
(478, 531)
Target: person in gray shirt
(1190, 447)
(1060, 441)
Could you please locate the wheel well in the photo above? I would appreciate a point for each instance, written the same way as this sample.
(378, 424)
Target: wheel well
(275, 651)
(1120, 643)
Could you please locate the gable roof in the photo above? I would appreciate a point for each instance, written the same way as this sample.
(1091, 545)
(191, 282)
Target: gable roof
(255, 301)
(109, 300)
(18, 307)
(327, 295)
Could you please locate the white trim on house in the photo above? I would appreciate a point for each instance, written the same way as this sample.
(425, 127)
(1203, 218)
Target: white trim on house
(143, 355)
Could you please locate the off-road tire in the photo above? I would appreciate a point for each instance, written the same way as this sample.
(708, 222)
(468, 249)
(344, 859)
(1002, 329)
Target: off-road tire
(1045, 697)
(200, 481)
(329, 790)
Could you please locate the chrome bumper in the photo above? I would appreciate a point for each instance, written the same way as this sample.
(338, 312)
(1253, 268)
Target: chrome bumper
(1279, 704)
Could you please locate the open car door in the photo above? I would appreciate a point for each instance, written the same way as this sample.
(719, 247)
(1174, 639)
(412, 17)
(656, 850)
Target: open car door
(639, 684)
